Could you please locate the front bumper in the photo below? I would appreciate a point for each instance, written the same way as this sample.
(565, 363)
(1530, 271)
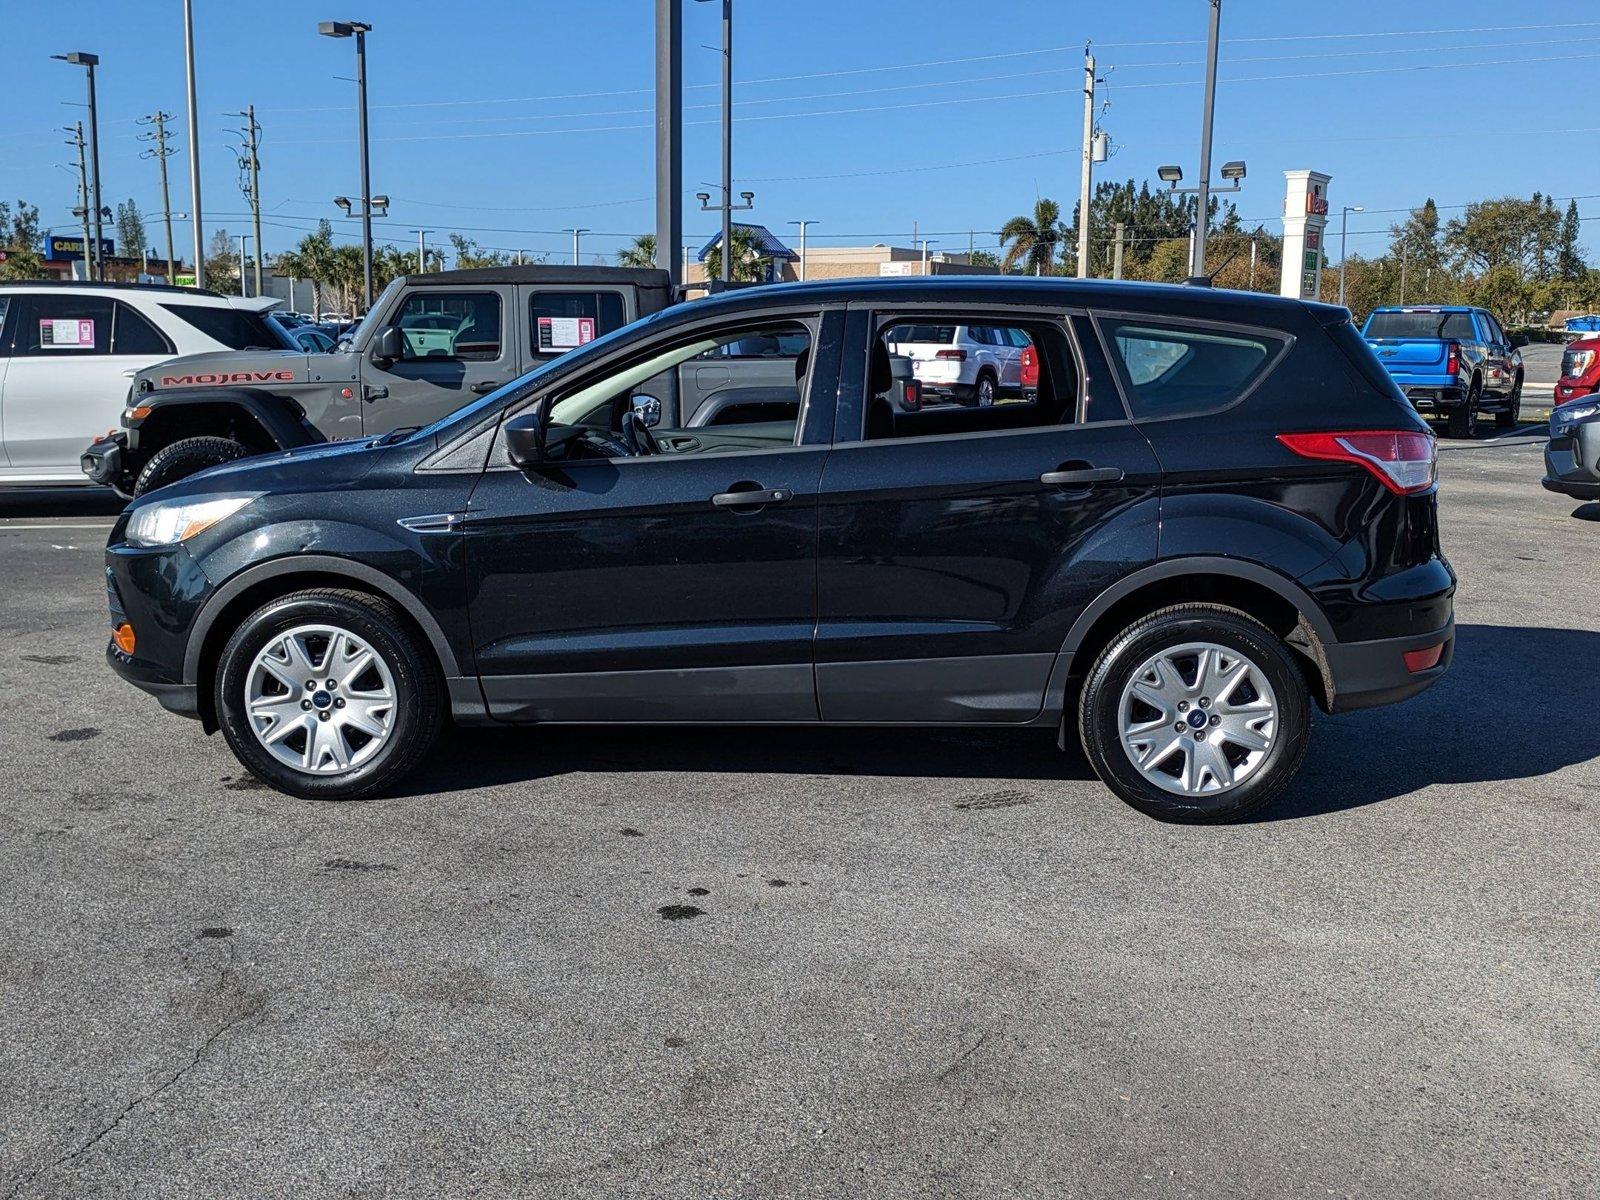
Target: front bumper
(159, 591)
(1367, 674)
(102, 461)
(1572, 460)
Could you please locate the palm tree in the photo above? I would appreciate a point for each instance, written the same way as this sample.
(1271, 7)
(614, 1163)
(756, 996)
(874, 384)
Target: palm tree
(347, 273)
(312, 259)
(746, 261)
(1033, 239)
(641, 254)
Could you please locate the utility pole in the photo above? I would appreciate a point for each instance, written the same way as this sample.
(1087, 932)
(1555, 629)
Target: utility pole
(1120, 230)
(1344, 228)
(576, 235)
(194, 148)
(926, 242)
(1402, 271)
(83, 190)
(669, 139)
(1197, 258)
(422, 249)
(803, 224)
(250, 169)
(161, 152)
(1086, 173)
(1252, 262)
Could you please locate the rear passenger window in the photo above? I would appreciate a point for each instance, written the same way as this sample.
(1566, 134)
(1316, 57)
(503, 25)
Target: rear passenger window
(66, 326)
(1178, 370)
(923, 383)
(132, 334)
(562, 321)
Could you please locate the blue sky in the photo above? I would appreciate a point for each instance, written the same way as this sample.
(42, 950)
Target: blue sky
(512, 120)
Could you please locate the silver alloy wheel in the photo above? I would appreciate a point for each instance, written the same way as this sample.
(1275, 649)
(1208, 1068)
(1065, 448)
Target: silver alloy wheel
(1198, 719)
(320, 699)
(985, 392)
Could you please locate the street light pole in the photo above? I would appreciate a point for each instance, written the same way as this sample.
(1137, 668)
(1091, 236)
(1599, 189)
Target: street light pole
(422, 249)
(194, 147)
(344, 29)
(1344, 226)
(1197, 262)
(81, 58)
(576, 235)
(727, 141)
(243, 238)
(803, 224)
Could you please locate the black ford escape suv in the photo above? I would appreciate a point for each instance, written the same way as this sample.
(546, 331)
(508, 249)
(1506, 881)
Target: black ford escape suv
(1214, 509)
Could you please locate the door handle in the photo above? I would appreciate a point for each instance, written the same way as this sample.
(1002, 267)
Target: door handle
(485, 387)
(751, 497)
(369, 394)
(1080, 475)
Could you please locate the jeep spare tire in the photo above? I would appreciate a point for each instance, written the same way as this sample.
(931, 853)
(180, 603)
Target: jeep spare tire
(184, 458)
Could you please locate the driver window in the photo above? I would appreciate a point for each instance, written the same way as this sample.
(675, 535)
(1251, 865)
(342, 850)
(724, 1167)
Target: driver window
(717, 394)
(454, 326)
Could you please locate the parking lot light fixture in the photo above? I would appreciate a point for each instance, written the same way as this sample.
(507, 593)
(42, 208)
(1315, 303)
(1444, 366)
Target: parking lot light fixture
(1170, 174)
(93, 256)
(359, 30)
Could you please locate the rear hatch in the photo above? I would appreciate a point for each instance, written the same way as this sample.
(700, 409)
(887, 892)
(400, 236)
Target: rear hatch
(935, 359)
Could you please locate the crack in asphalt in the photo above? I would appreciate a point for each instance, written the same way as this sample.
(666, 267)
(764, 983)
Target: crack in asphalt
(199, 1056)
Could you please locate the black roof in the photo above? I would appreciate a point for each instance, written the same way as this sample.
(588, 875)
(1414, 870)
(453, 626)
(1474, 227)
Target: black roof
(647, 277)
(1178, 299)
(112, 286)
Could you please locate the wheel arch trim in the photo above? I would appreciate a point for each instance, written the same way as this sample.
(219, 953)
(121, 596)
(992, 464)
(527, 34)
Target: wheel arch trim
(358, 574)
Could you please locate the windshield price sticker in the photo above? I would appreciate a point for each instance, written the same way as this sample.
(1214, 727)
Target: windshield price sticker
(68, 334)
(565, 333)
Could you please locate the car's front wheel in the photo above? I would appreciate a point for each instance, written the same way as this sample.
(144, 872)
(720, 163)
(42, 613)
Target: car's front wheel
(328, 694)
(183, 458)
(1511, 416)
(1195, 713)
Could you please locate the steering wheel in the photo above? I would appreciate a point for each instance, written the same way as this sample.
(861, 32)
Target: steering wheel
(636, 434)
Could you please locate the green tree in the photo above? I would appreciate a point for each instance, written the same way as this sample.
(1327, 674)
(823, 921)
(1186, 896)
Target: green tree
(21, 240)
(642, 253)
(222, 263)
(983, 258)
(312, 259)
(745, 257)
(347, 275)
(1570, 266)
(469, 254)
(1034, 239)
(1505, 232)
(130, 230)
(1503, 292)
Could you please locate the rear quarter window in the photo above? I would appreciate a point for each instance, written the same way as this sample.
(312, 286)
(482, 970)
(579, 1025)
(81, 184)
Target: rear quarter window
(233, 327)
(1172, 370)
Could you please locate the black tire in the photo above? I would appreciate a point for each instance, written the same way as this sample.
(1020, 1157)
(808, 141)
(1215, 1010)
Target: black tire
(1511, 417)
(183, 458)
(1463, 420)
(418, 704)
(1099, 712)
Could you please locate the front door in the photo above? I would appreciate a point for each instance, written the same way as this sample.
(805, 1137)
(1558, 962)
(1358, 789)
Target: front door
(957, 545)
(670, 586)
(458, 345)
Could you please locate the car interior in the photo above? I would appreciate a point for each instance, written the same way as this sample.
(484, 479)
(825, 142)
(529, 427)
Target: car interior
(1055, 403)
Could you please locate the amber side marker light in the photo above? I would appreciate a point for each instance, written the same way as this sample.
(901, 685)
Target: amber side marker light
(123, 637)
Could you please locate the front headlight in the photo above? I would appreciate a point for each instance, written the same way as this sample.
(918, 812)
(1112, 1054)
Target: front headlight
(1568, 413)
(173, 521)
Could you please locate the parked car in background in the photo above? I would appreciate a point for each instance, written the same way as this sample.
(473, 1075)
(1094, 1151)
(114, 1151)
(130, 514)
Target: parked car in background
(433, 343)
(69, 351)
(303, 334)
(1215, 511)
(1581, 326)
(333, 318)
(1453, 363)
(972, 364)
(1580, 370)
(1572, 456)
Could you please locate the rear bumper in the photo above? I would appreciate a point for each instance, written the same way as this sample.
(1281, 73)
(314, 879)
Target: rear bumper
(1367, 674)
(1425, 398)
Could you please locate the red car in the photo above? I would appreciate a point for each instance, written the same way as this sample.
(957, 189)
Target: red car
(1580, 370)
(1030, 372)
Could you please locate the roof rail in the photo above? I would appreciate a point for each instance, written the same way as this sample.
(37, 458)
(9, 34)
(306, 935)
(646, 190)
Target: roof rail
(110, 285)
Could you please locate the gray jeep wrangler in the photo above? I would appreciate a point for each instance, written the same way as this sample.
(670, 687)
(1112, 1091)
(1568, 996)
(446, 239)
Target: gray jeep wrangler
(430, 344)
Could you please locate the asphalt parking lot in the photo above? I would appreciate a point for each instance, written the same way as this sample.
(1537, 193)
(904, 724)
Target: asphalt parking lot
(903, 964)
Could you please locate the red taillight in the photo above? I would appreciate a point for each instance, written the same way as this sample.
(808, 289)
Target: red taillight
(1423, 660)
(1402, 461)
(952, 355)
(1030, 367)
(1452, 358)
(913, 396)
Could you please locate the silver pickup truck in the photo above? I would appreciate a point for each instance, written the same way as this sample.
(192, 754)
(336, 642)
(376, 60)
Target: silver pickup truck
(430, 344)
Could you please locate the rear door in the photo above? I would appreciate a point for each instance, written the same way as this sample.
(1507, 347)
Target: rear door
(1497, 365)
(457, 344)
(957, 545)
(72, 357)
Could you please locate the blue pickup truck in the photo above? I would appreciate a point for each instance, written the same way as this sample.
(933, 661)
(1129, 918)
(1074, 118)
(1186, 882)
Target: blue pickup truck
(1454, 363)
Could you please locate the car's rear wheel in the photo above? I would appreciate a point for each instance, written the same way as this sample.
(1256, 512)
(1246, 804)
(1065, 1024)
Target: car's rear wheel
(183, 458)
(984, 392)
(1463, 420)
(1511, 416)
(1195, 713)
(328, 694)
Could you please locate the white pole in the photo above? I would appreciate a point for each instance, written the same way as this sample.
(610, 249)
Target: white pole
(1086, 176)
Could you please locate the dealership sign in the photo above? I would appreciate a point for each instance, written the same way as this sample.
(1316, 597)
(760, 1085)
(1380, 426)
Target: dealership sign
(72, 248)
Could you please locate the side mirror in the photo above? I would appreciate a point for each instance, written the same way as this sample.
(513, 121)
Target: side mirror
(389, 345)
(524, 437)
(647, 410)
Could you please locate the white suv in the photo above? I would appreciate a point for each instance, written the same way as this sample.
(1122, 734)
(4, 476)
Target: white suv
(69, 350)
(974, 364)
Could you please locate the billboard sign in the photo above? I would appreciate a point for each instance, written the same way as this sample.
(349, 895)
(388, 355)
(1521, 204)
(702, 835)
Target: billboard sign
(68, 248)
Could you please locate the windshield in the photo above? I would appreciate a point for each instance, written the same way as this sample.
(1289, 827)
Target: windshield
(381, 304)
(1426, 326)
